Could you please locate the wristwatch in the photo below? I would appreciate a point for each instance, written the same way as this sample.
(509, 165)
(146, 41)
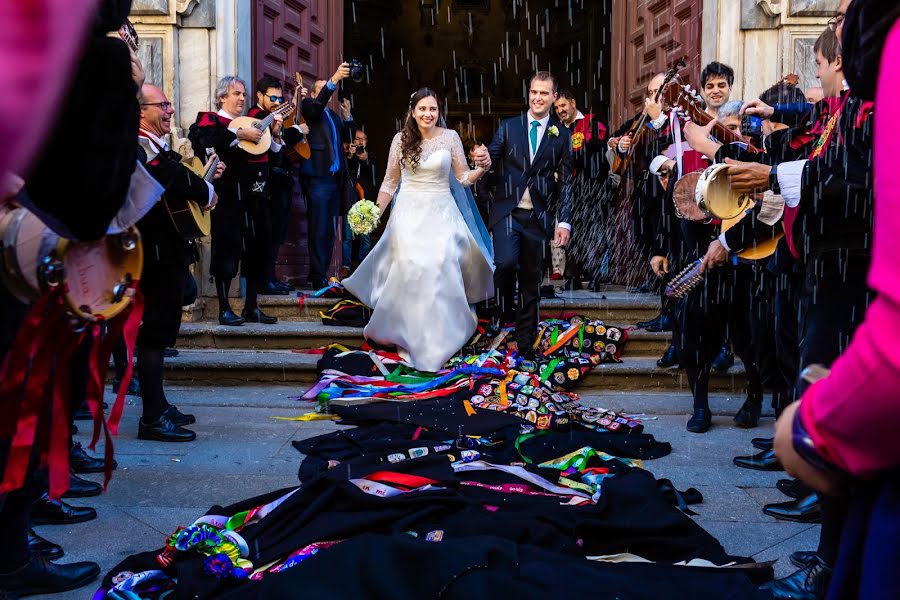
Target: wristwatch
(773, 181)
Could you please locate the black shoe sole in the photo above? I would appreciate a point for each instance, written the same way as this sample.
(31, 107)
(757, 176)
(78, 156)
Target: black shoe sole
(78, 583)
(779, 467)
(160, 438)
(808, 520)
(232, 323)
(84, 471)
(91, 494)
(43, 521)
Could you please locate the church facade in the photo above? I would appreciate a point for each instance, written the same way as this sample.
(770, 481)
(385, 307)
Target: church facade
(476, 52)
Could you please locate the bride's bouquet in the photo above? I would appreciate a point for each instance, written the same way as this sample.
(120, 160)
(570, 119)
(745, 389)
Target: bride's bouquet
(364, 217)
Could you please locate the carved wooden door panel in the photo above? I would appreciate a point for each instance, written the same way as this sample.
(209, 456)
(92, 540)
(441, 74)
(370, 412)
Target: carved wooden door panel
(648, 37)
(290, 36)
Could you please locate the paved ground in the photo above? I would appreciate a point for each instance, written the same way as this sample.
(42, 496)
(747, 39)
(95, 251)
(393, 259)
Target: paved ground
(242, 451)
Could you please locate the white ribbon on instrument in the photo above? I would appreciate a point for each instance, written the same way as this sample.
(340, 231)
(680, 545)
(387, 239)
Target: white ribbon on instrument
(143, 193)
(679, 148)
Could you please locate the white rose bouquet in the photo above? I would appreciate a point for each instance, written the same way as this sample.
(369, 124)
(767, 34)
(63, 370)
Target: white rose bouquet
(364, 217)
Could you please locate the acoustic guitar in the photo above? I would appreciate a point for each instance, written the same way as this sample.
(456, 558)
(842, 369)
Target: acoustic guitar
(301, 149)
(263, 125)
(191, 221)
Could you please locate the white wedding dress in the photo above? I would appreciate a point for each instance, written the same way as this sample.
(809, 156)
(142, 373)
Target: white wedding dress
(427, 269)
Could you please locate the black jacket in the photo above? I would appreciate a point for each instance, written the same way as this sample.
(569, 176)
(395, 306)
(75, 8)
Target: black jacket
(548, 178)
(321, 141)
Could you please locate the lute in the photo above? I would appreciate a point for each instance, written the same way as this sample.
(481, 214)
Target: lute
(691, 104)
(263, 125)
(301, 149)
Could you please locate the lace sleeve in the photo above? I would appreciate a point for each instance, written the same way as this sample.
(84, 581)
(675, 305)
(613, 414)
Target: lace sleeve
(392, 173)
(458, 159)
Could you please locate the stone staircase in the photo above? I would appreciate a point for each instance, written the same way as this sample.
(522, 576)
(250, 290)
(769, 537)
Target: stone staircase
(212, 354)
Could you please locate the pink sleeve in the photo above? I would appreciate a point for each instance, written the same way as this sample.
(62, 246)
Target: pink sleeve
(40, 40)
(854, 415)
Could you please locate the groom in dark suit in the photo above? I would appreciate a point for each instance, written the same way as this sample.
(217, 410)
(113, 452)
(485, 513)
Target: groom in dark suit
(532, 154)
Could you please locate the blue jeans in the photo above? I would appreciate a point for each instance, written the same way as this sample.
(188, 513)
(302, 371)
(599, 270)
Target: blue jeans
(365, 244)
(322, 206)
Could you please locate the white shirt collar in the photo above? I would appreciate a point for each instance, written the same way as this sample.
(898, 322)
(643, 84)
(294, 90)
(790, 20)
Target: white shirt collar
(160, 143)
(223, 113)
(543, 122)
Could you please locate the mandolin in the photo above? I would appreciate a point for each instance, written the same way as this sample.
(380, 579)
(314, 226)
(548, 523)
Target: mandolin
(129, 35)
(265, 142)
(620, 163)
(301, 149)
(190, 220)
(691, 104)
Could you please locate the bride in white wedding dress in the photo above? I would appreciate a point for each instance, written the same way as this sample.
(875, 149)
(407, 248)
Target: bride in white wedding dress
(434, 259)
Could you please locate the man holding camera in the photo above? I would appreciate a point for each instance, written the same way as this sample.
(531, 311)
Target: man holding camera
(325, 173)
(363, 176)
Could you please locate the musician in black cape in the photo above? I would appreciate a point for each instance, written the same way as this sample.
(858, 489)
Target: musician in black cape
(166, 275)
(241, 226)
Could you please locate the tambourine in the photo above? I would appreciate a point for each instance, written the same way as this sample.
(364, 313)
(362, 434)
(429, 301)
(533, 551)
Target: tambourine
(715, 197)
(98, 278)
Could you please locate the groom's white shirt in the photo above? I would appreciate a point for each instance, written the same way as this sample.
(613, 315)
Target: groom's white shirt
(525, 200)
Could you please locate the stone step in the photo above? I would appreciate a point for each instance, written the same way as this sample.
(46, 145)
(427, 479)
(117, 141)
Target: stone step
(299, 335)
(614, 306)
(238, 367)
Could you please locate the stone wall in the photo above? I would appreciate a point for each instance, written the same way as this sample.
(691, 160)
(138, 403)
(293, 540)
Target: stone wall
(763, 40)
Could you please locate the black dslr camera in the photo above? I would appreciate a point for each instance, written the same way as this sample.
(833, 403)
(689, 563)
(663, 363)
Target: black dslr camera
(357, 71)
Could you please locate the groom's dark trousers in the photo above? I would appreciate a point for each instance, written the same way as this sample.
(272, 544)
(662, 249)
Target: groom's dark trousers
(519, 246)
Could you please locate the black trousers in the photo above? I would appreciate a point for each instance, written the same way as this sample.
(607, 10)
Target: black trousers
(241, 236)
(281, 187)
(520, 245)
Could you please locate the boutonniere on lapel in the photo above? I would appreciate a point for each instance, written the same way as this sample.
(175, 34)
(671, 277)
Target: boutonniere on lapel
(553, 131)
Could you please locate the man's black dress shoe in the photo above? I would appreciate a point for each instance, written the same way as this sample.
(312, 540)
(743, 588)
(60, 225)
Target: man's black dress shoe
(748, 415)
(808, 583)
(763, 443)
(82, 488)
(38, 546)
(284, 285)
(802, 558)
(82, 462)
(765, 460)
(801, 510)
(84, 413)
(169, 353)
(669, 360)
(229, 318)
(724, 360)
(164, 430)
(793, 488)
(179, 418)
(664, 324)
(134, 386)
(258, 316)
(701, 421)
(40, 576)
(651, 323)
(273, 289)
(45, 511)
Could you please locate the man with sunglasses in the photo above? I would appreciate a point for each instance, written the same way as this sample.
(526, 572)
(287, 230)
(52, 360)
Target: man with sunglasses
(269, 96)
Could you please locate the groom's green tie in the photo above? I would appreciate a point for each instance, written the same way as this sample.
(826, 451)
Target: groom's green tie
(533, 135)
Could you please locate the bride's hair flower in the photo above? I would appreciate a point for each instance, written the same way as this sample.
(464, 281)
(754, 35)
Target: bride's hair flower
(363, 217)
(553, 131)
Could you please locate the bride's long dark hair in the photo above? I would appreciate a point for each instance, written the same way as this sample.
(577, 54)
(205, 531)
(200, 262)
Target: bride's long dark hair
(411, 138)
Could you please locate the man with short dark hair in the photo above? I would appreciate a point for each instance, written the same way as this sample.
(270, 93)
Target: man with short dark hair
(715, 85)
(325, 173)
(530, 150)
(270, 96)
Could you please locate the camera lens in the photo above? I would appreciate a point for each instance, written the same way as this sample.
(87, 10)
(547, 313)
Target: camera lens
(357, 71)
(360, 149)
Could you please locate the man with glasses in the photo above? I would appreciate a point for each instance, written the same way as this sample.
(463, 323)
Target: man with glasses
(167, 258)
(269, 96)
